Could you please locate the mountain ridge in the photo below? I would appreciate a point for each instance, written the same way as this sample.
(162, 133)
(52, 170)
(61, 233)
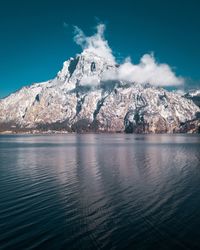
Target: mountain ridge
(81, 98)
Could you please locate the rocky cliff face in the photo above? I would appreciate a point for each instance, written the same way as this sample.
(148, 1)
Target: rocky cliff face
(78, 99)
(194, 96)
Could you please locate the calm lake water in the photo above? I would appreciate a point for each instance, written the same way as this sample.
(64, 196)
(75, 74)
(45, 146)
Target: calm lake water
(100, 191)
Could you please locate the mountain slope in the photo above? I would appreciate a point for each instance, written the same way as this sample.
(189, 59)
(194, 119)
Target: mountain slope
(194, 96)
(78, 99)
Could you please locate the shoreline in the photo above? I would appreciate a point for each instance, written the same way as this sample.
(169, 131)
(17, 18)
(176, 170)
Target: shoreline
(92, 132)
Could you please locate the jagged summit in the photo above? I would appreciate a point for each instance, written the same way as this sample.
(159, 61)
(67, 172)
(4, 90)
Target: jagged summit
(86, 68)
(80, 99)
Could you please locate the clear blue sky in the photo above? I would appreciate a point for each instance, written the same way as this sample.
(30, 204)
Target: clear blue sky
(34, 42)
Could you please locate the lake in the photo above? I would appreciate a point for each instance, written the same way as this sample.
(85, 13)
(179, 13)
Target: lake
(100, 191)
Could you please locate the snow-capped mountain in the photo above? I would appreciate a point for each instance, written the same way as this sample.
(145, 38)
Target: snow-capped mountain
(80, 99)
(194, 95)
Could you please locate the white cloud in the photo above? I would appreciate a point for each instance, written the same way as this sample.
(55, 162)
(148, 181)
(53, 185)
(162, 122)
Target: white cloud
(147, 71)
(96, 43)
(89, 80)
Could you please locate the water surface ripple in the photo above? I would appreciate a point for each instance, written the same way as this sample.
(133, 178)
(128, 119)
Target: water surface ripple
(98, 191)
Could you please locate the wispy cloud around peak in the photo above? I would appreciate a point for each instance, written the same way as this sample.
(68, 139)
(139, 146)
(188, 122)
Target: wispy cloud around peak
(147, 71)
(96, 43)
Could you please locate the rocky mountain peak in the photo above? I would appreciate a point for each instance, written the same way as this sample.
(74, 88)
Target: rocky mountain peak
(85, 68)
(63, 103)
